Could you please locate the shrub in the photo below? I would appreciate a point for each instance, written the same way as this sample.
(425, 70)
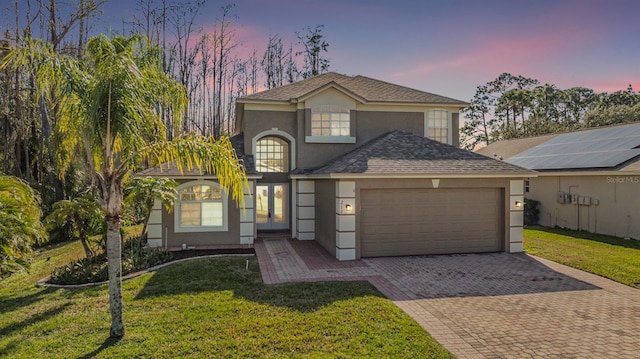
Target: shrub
(80, 271)
(135, 257)
(531, 212)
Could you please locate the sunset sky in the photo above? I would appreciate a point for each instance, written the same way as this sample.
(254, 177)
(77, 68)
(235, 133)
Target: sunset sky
(450, 46)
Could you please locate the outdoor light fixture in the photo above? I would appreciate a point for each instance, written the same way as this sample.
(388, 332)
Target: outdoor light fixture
(518, 204)
(347, 208)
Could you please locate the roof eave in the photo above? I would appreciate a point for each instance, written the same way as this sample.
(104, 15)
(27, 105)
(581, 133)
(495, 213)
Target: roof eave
(415, 175)
(590, 172)
(409, 103)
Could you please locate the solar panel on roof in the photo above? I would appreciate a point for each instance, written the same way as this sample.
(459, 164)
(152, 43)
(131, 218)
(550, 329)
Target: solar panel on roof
(598, 148)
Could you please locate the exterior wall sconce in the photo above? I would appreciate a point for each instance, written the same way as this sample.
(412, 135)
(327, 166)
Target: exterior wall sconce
(346, 206)
(518, 204)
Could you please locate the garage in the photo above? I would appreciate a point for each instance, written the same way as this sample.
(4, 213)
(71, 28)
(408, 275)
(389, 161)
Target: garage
(417, 221)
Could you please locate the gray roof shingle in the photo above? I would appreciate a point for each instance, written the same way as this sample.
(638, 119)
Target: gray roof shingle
(506, 149)
(401, 152)
(371, 90)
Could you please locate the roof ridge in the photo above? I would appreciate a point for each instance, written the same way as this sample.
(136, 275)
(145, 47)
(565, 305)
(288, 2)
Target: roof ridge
(404, 87)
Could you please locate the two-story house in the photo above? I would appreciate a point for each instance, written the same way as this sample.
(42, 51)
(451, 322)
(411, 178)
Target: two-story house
(364, 167)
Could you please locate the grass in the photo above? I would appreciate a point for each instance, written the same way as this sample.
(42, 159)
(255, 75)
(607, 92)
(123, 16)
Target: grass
(204, 308)
(611, 257)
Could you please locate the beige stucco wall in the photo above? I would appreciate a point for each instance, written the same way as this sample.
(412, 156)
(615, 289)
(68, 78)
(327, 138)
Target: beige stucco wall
(367, 123)
(325, 192)
(255, 122)
(617, 212)
(231, 236)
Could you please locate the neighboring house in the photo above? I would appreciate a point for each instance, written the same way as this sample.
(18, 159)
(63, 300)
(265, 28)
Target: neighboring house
(364, 167)
(587, 180)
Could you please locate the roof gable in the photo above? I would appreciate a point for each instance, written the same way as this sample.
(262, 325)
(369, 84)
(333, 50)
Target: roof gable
(361, 88)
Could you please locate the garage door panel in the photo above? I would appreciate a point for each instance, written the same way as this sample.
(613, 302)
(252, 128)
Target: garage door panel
(430, 221)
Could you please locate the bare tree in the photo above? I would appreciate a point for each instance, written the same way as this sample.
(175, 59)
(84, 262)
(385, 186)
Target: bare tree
(273, 62)
(314, 45)
(224, 45)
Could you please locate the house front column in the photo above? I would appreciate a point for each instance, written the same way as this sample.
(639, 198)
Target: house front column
(305, 210)
(248, 231)
(154, 226)
(345, 220)
(516, 216)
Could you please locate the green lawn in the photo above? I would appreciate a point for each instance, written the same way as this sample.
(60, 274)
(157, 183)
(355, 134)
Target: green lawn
(611, 257)
(204, 308)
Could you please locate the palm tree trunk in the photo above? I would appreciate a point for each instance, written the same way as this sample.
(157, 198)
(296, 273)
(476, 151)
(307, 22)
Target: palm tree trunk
(87, 251)
(114, 261)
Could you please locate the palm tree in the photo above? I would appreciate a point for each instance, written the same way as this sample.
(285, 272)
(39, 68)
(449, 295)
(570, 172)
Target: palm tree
(109, 119)
(20, 225)
(81, 215)
(144, 191)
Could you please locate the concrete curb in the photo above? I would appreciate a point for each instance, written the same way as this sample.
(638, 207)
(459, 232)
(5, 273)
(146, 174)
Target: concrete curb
(43, 282)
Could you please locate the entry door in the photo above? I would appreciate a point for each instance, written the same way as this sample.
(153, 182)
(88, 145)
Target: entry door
(272, 210)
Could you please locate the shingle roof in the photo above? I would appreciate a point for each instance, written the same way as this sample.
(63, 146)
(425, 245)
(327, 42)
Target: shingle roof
(401, 152)
(371, 90)
(171, 170)
(508, 148)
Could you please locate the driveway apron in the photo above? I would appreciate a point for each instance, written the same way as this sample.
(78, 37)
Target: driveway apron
(483, 305)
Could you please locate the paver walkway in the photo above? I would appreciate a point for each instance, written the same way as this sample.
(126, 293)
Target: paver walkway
(484, 305)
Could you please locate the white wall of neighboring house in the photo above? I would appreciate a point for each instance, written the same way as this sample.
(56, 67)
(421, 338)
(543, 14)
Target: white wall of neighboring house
(606, 204)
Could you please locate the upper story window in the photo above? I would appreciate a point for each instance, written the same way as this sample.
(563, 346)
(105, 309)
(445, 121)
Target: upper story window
(330, 121)
(438, 125)
(272, 155)
(330, 124)
(201, 207)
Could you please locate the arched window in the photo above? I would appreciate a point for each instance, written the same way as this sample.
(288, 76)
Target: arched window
(272, 155)
(201, 207)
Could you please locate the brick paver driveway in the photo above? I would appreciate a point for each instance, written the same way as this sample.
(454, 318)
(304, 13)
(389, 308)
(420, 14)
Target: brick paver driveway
(484, 305)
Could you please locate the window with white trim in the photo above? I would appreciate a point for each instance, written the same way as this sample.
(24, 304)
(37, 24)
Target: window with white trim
(437, 125)
(330, 121)
(272, 155)
(201, 207)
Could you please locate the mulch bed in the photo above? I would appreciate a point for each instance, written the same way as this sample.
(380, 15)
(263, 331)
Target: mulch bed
(190, 253)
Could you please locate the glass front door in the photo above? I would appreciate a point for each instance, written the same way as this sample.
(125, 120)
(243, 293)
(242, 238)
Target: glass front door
(272, 210)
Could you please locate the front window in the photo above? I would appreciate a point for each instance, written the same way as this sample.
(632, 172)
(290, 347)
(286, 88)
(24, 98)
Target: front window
(272, 155)
(330, 121)
(437, 126)
(201, 207)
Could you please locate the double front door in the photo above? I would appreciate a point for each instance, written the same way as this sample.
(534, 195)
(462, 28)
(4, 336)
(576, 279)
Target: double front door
(272, 210)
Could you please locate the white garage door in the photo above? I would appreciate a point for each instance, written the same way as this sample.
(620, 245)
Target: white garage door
(430, 221)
